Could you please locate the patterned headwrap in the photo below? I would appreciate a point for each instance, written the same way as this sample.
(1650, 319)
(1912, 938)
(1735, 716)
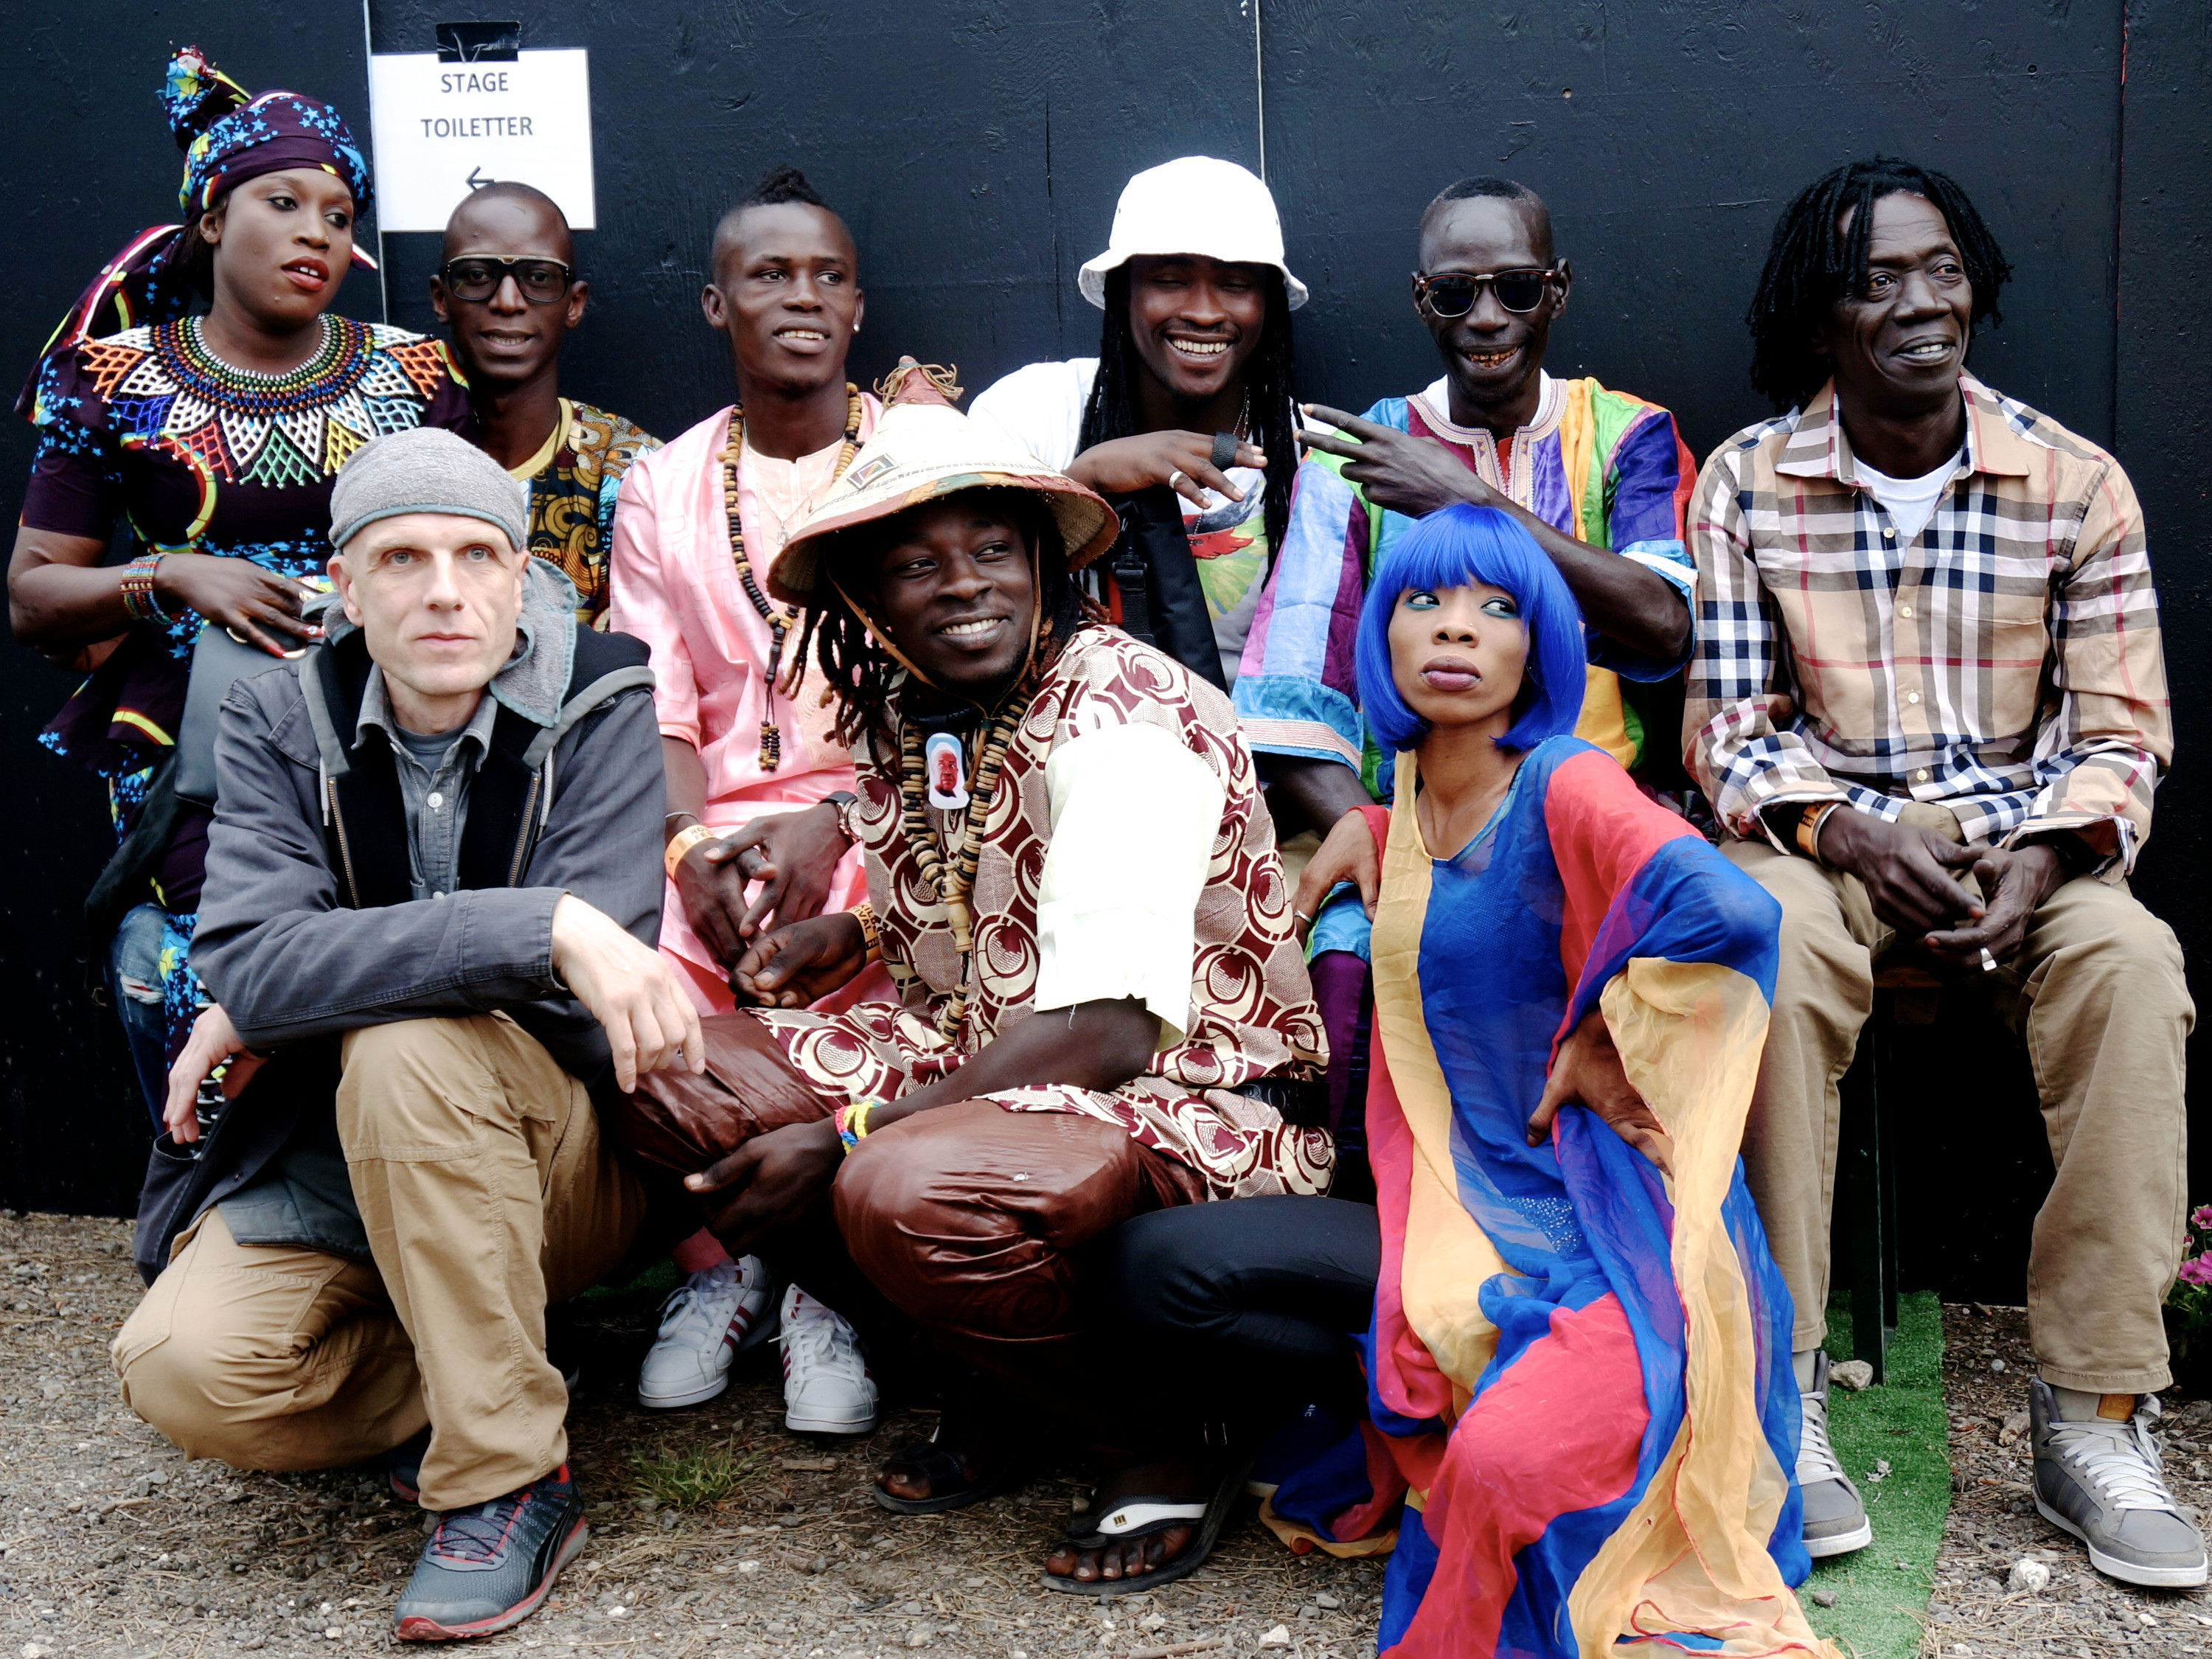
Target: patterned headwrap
(228, 136)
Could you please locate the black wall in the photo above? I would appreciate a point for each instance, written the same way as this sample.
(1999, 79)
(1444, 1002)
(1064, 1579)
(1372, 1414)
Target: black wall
(976, 148)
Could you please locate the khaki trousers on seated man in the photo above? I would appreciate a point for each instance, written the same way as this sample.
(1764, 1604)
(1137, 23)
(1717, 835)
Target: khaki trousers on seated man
(433, 889)
(1928, 699)
(486, 1193)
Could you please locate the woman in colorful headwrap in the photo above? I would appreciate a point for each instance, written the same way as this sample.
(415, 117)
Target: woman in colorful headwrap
(216, 435)
(1578, 1364)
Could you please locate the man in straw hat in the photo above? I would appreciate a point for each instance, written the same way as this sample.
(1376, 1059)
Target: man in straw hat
(1092, 1022)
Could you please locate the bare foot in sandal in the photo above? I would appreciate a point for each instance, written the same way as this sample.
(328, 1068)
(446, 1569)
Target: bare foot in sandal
(964, 1461)
(1179, 1479)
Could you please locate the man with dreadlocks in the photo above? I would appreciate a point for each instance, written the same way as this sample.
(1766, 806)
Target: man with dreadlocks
(1929, 704)
(1599, 477)
(1089, 1023)
(756, 776)
(1189, 397)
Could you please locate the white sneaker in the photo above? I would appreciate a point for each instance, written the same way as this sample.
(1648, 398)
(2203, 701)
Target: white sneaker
(711, 1318)
(826, 1386)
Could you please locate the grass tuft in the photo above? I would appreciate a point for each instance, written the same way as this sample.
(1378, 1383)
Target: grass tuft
(695, 1479)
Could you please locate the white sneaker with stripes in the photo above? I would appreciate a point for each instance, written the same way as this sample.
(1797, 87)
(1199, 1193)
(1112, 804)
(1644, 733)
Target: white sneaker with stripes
(827, 1388)
(710, 1319)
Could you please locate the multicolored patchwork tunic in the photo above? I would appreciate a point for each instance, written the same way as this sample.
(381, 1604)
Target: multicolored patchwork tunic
(149, 426)
(1579, 1367)
(1600, 466)
(1244, 1009)
(573, 482)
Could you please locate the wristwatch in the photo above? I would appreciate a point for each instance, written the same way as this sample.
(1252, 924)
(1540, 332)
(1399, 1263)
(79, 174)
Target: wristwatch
(842, 801)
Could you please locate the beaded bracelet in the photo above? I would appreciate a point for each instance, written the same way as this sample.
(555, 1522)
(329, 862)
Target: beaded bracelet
(853, 1124)
(139, 603)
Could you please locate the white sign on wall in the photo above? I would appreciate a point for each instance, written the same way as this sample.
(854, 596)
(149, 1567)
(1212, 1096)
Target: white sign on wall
(442, 129)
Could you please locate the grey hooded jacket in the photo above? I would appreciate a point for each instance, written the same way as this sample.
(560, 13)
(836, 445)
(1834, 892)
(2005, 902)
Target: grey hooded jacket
(281, 945)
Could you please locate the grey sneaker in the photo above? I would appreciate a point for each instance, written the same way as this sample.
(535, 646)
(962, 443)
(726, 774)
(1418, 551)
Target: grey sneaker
(488, 1567)
(2103, 1482)
(1835, 1518)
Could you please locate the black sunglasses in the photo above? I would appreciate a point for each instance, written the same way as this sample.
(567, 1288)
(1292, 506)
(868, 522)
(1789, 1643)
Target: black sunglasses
(477, 276)
(1455, 294)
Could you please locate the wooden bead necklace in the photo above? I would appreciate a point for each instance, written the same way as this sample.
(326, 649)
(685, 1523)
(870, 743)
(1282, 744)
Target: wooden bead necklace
(780, 622)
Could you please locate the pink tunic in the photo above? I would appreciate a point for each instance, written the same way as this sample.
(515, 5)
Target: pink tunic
(675, 585)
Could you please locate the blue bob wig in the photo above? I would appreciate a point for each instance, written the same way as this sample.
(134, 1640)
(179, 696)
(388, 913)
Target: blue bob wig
(1457, 547)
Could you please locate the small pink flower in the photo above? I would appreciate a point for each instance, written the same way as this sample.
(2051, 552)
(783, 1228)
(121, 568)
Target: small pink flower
(2201, 1217)
(2197, 1270)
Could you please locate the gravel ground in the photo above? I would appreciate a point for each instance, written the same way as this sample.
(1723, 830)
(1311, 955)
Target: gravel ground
(111, 1545)
(2081, 1614)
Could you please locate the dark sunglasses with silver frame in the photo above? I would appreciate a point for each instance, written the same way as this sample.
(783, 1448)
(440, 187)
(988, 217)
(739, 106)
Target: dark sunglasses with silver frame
(476, 276)
(1454, 292)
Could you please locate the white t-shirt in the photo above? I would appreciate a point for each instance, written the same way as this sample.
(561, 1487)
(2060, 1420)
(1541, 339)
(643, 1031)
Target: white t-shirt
(1909, 502)
(1040, 409)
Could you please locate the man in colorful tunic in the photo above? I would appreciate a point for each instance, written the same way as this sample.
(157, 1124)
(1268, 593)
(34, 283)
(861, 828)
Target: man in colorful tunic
(1929, 648)
(1089, 1023)
(506, 287)
(1597, 476)
(756, 774)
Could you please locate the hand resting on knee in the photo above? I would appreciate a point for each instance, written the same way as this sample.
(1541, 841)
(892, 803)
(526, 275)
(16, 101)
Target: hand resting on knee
(630, 990)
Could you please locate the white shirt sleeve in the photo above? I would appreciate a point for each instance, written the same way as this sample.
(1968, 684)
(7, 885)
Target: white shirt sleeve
(1134, 815)
(1038, 408)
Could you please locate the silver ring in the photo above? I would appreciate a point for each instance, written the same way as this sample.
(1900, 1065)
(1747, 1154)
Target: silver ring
(1989, 961)
(1303, 917)
(1172, 476)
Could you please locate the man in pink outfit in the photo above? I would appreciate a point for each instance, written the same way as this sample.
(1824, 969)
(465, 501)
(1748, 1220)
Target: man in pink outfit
(756, 780)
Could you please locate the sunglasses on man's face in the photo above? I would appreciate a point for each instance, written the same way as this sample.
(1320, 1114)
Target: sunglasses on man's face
(479, 276)
(1454, 293)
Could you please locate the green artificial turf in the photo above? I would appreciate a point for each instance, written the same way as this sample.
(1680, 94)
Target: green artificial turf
(1881, 1591)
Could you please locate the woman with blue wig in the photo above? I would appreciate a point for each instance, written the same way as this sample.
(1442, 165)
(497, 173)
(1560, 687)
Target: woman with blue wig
(200, 394)
(1579, 1423)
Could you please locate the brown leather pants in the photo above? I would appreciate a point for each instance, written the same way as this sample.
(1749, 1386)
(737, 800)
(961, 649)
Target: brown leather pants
(968, 1218)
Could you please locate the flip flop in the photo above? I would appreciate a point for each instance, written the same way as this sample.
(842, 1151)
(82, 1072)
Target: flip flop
(1143, 1516)
(939, 1467)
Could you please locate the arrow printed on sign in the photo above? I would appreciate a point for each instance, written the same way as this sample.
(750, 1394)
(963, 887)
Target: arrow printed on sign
(476, 183)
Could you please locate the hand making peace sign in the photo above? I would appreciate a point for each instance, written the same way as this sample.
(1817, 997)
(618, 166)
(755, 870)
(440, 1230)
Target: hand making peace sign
(1396, 470)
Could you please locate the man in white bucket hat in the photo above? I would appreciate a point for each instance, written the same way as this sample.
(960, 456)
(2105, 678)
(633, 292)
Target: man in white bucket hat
(1102, 1008)
(1190, 397)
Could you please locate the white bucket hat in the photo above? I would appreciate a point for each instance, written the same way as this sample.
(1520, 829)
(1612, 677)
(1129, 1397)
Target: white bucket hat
(1194, 204)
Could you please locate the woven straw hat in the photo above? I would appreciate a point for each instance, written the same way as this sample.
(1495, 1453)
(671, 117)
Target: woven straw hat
(924, 448)
(1195, 205)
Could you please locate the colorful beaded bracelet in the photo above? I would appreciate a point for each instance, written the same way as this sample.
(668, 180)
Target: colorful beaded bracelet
(852, 1123)
(139, 603)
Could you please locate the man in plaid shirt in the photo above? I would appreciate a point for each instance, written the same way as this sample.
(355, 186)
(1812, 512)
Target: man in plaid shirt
(1928, 701)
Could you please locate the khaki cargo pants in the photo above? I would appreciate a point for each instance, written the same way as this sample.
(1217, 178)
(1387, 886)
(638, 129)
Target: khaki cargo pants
(2097, 992)
(487, 1192)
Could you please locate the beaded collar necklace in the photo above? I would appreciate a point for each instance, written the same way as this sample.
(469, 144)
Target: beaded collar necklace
(780, 622)
(338, 361)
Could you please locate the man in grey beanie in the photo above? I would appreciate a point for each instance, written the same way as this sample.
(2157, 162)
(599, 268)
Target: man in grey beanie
(433, 895)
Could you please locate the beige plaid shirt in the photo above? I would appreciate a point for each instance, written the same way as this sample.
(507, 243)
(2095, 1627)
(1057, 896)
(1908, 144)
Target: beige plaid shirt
(2007, 665)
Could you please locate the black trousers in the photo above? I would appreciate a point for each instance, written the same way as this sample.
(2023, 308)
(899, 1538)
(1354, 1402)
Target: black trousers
(1244, 1307)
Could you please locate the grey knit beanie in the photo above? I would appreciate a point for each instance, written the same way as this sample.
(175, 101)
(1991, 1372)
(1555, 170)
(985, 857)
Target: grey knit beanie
(426, 470)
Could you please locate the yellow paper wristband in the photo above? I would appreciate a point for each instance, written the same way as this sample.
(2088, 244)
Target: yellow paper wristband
(681, 842)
